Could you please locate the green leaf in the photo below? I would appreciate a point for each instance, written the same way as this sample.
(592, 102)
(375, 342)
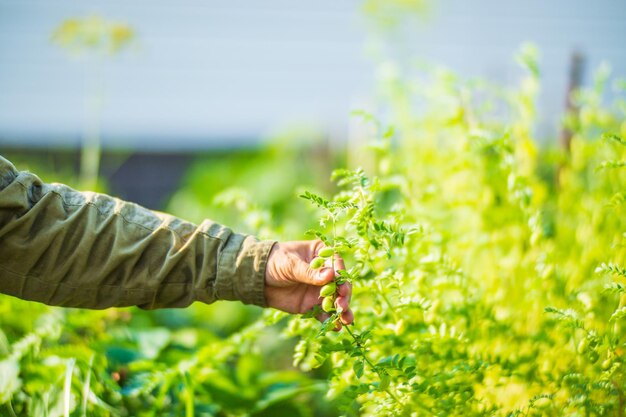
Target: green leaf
(611, 268)
(10, 382)
(385, 362)
(281, 394)
(68, 404)
(611, 164)
(620, 313)
(568, 316)
(613, 137)
(315, 199)
(615, 288)
(385, 380)
(358, 368)
(529, 58)
(152, 341)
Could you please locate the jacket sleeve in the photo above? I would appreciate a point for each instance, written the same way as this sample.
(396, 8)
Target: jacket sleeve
(82, 249)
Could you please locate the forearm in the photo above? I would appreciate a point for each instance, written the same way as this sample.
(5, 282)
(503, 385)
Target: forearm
(67, 248)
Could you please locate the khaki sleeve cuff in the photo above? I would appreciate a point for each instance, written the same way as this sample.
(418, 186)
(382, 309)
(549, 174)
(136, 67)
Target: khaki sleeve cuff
(241, 270)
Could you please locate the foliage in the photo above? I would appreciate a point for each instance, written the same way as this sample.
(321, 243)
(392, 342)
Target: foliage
(93, 34)
(252, 191)
(488, 275)
(460, 252)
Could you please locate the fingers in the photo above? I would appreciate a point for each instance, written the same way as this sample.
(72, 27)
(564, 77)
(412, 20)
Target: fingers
(345, 290)
(326, 275)
(325, 316)
(339, 262)
(344, 295)
(342, 303)
(316, 247)
(347, 317)
(312, 251)
(302, 272)
(322, 317)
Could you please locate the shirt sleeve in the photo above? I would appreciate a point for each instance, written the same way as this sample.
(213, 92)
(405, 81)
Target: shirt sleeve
(67, 248)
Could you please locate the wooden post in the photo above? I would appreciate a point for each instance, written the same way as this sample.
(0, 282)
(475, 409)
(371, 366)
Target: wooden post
(575, 80)
(571, 109)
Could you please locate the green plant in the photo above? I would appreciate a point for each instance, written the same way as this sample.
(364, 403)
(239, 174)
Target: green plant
(488, 278)
(454, 263)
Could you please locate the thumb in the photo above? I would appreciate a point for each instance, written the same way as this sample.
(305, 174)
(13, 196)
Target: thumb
(302, 272)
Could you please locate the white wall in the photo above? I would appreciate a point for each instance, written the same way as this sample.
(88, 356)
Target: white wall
(227, 72)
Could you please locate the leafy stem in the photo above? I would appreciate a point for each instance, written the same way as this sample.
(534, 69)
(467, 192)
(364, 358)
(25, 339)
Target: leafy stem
(392, 308)
(374, 368)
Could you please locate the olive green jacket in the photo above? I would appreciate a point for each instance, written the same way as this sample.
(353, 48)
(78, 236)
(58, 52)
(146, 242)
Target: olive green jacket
(82, 249)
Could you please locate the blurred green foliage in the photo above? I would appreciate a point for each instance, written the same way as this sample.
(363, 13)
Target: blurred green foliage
(489, 275)
(93, 35)
(488, 272)
(254, 191)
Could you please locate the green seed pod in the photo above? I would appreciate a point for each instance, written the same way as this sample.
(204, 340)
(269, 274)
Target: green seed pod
(328, 304)
(328, 289)
(583, 346)
(317, 263)
(326, 252)
(593, 356)
(606, 364)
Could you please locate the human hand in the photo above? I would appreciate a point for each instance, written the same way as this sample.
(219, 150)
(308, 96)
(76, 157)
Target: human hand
(291, 285)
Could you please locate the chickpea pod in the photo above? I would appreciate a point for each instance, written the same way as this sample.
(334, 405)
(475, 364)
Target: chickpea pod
(317, 263)
(328, 289)
(328, 304)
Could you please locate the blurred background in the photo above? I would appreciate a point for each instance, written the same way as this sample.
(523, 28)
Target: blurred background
(229, 109)
(147, 88)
